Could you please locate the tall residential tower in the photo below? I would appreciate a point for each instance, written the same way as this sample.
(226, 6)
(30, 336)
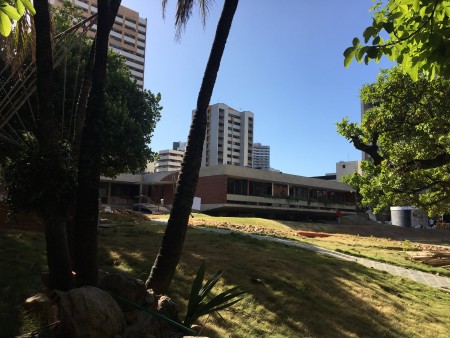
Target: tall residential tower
(261, 156)
(127, 36)
(229, 137)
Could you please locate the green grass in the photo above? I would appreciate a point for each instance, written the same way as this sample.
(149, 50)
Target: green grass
(380, 247)
(302, 294)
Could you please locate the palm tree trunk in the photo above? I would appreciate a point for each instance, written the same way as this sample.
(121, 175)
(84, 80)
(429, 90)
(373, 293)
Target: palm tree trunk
(86, 219)
(53, 215)
(172, 244)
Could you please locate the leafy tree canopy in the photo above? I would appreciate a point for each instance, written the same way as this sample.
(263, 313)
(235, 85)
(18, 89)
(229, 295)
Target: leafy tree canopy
(407, 134)
(128, 124)
(415, 33)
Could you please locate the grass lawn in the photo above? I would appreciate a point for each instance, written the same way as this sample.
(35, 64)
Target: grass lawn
(385, 243)
(301, 294)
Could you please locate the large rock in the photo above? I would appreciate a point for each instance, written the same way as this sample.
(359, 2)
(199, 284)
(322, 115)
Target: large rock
(146, 326)
(89, 312)
(40, 305)
(134, 290)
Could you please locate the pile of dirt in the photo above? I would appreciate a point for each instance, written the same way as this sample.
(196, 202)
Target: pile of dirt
(437, 258)
(125, 215)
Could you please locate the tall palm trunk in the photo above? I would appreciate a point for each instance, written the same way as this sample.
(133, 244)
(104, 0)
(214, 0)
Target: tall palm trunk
(86, 219)
(172, 244)
(51, 211)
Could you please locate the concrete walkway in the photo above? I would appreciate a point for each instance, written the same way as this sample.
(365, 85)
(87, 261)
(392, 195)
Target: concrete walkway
(429, 279)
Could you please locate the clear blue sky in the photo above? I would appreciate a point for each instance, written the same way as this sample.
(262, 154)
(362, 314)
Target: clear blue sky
(283, 61)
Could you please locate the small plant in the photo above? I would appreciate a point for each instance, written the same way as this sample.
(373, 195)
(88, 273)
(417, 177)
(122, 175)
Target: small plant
(407, 245)
(198, 306)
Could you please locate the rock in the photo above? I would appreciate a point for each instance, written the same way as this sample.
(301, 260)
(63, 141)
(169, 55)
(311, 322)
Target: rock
(123, 286)
(89, 312)
(168, 308)
(197, 328)
(41, 305)
(146, 326)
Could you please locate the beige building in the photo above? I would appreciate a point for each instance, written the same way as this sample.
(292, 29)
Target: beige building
(128, 35)
(347, 168)
(229, 137)
(170, 159)
(261, 156)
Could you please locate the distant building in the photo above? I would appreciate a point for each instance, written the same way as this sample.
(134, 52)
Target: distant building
(128, 35)
(180, 146)
(327, 177)
(236, 190)
(261, 156)
(229, 137)
(170, 159)
(346, 168)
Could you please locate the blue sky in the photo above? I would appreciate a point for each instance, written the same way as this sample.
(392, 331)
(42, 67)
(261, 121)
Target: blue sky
(283, 61)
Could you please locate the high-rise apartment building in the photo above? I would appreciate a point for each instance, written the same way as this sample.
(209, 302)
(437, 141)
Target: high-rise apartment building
(127, 36)
(170, 159)
(261, 156)
(229, 137)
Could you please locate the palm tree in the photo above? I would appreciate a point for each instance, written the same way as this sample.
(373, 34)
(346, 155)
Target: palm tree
(53, 207)
(48, 137)
(86, 218)
(172, 244)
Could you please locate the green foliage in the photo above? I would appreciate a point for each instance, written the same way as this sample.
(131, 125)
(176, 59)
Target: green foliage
(23, 176)
(198, 306)
(131, 118)
(129, 122)
(11, 11)
(415, 33)
(408, 129)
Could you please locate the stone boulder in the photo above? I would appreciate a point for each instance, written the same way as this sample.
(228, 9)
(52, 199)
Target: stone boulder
(89, 312)
(41, 306)
(134, 290)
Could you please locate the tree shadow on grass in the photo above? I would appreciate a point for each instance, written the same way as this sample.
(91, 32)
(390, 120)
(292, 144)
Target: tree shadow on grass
(300, 293)
(305, 293)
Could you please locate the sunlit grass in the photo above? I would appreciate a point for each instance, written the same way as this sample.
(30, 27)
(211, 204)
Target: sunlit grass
(384, 249)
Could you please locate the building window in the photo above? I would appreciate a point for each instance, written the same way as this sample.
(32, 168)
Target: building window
(236, 186)
(260, 188)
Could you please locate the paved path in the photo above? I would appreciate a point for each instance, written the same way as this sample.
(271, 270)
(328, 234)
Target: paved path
(432, 280)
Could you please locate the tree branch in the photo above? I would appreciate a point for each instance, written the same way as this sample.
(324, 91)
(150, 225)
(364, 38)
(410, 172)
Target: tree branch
(371, 150)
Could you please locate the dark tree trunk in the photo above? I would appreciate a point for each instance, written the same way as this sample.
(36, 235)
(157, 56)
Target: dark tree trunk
(86, 219)
(172, 244)
(50, 209)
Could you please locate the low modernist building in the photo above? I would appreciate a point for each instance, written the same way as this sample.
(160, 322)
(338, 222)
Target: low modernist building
(235, 190)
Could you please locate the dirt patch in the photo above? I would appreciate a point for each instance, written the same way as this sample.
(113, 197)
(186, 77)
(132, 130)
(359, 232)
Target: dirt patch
(437, 258)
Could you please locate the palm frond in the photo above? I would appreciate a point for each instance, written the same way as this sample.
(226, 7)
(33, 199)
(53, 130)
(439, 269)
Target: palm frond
(197, 306)
(184, 11)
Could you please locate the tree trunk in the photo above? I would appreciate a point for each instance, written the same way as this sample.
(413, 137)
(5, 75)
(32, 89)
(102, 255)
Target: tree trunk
(172, 244)
(86, 218)
(51, 211)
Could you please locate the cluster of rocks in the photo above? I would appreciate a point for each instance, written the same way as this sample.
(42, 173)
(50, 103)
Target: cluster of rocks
(121, 307)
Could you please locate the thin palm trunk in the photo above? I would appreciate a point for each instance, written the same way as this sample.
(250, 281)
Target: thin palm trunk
(170, 251)
(53, 215)
(86, 219)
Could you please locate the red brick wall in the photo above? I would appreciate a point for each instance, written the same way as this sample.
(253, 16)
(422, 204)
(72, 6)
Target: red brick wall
(212, 189)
